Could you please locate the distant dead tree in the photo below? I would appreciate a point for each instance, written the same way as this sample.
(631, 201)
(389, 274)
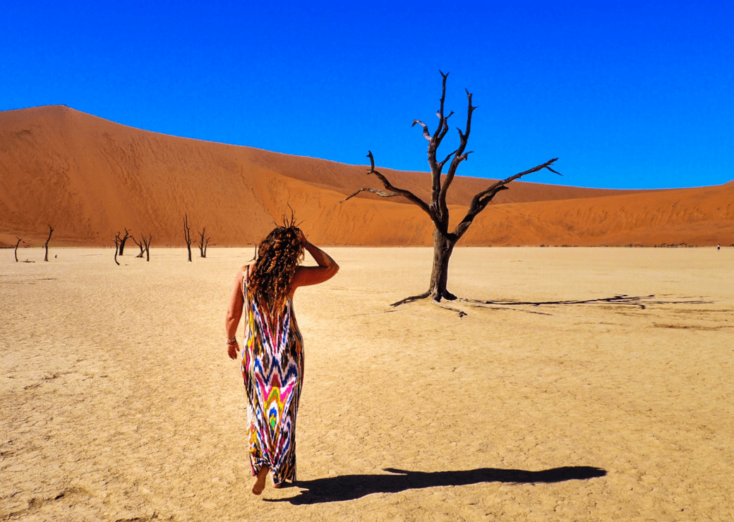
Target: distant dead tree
(117, 247)
(187, 234)
(123, 241)
(146, 244)
(140, 245)
(20, 240)
(50, 231)
(203, 242)
(444, 239)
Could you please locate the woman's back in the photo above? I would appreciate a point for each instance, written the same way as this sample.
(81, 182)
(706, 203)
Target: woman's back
(274, 332)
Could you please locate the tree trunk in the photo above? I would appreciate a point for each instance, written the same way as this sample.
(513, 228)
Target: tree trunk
(187, 235)
(122, 243)
(443, 247)
(146, 242)
(50, 231)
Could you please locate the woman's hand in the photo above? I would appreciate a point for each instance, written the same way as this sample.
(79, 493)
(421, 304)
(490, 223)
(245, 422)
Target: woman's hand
(233, 349)
(302, 237)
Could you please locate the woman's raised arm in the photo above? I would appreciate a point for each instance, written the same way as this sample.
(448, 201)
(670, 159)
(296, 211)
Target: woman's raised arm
(313, 275)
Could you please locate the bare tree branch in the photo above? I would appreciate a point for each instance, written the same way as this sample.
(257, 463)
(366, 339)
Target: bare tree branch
(503, 182)
(433, 149)
(426, 132)
(394, 191)
(374, 191)
(481, 200)
(459, 156)
(140, 245)
(440, 165)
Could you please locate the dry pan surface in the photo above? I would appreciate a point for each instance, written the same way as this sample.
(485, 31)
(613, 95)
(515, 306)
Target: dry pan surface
(119, 403)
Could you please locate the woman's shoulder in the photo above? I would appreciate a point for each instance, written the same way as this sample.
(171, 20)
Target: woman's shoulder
(243, 272)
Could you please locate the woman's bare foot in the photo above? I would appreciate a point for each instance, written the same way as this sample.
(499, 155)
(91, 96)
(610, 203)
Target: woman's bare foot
(260, 481)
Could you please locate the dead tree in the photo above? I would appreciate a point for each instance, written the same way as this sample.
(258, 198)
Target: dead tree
(117, 247)
(203, 242)
(50, 231)
(123, 241)
(444, 239)
(20, 240)
(140, 245)
(187, 235)
(146, 243)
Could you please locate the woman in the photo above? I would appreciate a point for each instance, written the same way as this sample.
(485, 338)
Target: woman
(272, 359)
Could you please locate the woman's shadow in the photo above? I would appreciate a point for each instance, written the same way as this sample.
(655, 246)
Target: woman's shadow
(351, 487)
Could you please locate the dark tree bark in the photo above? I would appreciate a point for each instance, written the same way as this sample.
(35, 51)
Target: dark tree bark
(187, 235)
(140, 245)
(20, 240)
(50, 231)
(146, 243)
(203, 242)
(444, 239)
(123, 241)
(117, 247)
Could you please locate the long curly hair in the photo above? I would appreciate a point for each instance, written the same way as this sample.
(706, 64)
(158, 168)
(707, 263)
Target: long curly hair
(278, 256)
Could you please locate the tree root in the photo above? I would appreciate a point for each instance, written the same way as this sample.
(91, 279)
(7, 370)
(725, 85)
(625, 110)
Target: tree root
(461, 313)
(411, 299)
(618, 300)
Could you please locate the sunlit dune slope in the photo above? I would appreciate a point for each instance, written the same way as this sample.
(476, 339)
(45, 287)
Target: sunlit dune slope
(91, 178)
(695, 216)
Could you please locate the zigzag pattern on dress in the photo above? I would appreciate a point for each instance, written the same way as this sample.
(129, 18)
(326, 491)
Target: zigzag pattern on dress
(272, 369)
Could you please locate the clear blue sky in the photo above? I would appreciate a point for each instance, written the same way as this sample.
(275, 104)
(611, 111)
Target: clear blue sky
(627, 94)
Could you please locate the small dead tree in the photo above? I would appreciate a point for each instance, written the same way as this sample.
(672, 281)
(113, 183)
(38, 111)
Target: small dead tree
(187, 235)
(20, 240)
(444, 239)
(140, 245)
(117, 247)
(146, 243)
(123, 241)
(203, 242)
(50, 231)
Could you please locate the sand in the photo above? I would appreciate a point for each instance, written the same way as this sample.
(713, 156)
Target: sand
(119, 403)
(91, 178)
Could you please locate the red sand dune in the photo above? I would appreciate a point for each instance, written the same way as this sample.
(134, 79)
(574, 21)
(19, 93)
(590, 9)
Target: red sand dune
(91, 178)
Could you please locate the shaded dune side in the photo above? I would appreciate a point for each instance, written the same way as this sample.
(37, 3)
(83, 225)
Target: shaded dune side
(90, 178)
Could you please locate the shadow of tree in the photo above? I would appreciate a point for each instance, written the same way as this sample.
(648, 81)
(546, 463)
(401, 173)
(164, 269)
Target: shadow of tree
(352, 487)
(640, 301)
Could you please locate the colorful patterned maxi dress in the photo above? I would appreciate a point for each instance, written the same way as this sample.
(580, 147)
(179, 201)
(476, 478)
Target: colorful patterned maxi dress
(272, 367)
